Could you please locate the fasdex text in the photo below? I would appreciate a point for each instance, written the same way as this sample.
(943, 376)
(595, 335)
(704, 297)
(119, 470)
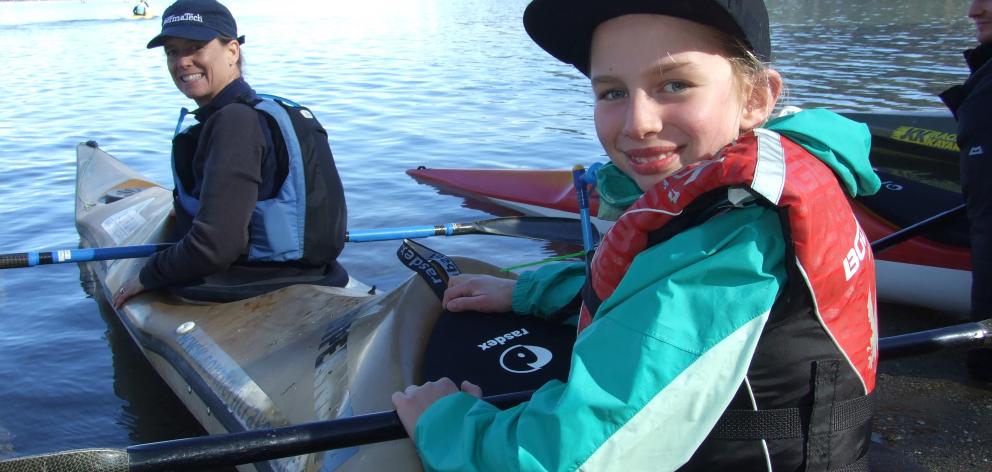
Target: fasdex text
(500, 340)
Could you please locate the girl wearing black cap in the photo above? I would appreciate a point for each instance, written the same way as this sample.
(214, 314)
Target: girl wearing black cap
(728, 322)
(256, 185)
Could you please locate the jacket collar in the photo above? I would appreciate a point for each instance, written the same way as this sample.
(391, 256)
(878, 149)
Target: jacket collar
(978, 56)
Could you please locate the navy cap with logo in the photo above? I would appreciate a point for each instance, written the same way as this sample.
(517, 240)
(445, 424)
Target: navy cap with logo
(199, 20)
(564, 28)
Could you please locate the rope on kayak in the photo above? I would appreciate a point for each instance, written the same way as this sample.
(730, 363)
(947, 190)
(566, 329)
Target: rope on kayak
(574, 255)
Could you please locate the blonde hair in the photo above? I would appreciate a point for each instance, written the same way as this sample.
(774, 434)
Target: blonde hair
(750, 73)
(241, 54)
(748, 69)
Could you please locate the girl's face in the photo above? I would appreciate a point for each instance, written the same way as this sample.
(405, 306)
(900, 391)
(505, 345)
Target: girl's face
(201, 69)
(666, 96)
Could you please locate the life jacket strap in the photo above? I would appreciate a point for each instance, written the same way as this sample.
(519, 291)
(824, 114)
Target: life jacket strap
(786, 423)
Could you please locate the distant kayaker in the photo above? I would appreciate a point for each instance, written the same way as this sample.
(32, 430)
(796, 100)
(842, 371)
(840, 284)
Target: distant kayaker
(141, 8)
(729, 320)
(256, 185)
(970, 102)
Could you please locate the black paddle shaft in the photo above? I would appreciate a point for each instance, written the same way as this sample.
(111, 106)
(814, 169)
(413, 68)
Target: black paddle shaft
(912, 230)
(261, 445)
(255, 446)
(925, 342)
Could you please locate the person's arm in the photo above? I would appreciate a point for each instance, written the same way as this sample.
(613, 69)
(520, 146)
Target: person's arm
(650, 376)
(545, 291)
(219, 234)
(541, 293)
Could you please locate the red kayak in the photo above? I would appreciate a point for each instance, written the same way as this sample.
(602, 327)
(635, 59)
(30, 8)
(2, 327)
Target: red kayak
(931, 269)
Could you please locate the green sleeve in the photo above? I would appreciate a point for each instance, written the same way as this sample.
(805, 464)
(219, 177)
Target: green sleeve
(544, 291)
(649, 377)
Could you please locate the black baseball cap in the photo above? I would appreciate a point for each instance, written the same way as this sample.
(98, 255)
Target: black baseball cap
(564, 28)
(199, 20)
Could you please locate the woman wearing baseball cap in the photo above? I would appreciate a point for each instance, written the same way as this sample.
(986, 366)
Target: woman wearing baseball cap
(728, 321)
(244, 173)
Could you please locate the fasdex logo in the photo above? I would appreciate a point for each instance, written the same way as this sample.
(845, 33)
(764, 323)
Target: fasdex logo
(184, 17)
(524, 359)
(976, 151)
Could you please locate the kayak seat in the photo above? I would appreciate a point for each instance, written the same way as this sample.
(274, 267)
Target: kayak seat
(241, 282)
(903, 201)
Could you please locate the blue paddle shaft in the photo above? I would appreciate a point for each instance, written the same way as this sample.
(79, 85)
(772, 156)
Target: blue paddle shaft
(61, 256)
(582, 194)
(388, 234)
(538, 228)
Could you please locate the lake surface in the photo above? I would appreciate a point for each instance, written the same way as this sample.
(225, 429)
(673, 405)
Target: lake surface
(397, 84)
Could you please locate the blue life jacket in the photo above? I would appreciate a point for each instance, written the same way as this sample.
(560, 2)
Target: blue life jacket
(305, 220)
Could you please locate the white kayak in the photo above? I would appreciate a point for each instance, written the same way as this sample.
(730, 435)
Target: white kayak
(295, 355)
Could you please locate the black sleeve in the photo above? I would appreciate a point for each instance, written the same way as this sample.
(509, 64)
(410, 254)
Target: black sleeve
(975, 141)
(233, 144)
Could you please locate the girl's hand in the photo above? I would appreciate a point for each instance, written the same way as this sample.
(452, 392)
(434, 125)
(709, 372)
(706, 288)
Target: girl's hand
(129, 289)
(483, 293)
(414, 401)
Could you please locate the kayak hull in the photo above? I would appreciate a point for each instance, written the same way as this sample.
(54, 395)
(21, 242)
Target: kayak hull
(299, 354)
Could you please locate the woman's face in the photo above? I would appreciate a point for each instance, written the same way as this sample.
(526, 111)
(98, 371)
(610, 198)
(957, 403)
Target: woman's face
(981, 12)
(665, 95)
(201, 69)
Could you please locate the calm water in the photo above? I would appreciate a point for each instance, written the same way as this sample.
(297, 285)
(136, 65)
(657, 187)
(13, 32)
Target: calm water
(397, 83)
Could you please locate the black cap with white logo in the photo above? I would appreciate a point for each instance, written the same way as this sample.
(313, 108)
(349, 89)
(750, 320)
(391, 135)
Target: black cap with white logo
(199, 20)
(564, 28)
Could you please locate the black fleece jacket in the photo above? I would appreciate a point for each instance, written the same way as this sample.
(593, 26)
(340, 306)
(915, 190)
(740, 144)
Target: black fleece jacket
(233, 166)
(971, 104)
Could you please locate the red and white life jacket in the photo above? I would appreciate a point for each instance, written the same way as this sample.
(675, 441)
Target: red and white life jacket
(817, 355)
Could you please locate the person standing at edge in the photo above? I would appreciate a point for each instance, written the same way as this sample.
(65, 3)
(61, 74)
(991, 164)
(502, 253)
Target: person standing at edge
(971, 103)
(256, 188)
(728, 322)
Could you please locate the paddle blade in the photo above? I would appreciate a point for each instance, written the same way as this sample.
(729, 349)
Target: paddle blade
(568, 230)
(100, 460)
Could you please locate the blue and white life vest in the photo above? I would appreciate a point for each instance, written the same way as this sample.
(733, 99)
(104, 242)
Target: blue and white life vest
(295, 224)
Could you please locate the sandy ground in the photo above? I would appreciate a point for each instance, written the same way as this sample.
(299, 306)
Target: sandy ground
(927, 407)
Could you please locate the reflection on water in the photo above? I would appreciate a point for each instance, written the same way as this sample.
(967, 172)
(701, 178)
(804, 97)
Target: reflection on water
(150, 412)
(884, 55)
(397, 84)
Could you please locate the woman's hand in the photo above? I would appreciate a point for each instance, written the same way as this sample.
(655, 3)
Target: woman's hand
(414, 401)
(129, 289)
(483, 293)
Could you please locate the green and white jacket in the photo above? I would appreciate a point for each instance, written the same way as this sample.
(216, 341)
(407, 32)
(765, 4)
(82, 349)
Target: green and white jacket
(666, 352)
